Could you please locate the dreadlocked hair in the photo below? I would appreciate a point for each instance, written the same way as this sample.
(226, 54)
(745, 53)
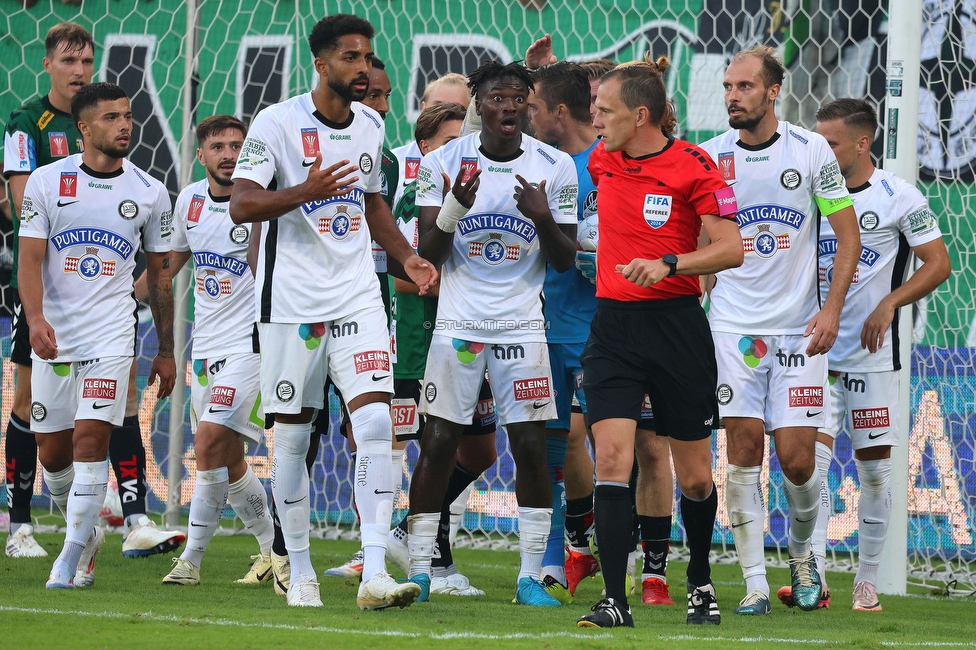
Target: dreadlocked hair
(494, 70)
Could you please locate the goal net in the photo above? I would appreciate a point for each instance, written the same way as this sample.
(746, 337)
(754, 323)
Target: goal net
(243, 56)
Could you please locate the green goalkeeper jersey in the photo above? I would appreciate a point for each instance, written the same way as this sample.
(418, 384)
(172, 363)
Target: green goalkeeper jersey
(37, 134)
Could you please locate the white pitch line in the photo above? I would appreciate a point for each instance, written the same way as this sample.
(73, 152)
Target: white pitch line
(149, 616)
(745, 639)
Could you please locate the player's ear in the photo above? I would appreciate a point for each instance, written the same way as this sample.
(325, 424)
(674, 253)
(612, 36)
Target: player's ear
(321, 67)
(773, 92)
(424, 147)
(200, 155)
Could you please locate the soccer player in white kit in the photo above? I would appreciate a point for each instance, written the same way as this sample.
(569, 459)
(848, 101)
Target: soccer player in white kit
(770, 329)
(894, 219)
(318, 300)
(512, 210)
(224, 389)
(84, 219)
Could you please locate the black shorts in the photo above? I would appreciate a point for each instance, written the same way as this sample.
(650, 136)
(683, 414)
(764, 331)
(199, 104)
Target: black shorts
(662, 348)
(20, 348)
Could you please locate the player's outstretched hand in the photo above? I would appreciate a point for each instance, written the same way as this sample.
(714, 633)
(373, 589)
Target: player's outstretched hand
(423, 273)
(165, 369)
(531, 199)
(540, 53)
(42, 339)
(644, 273)
(465, 193)
(334, 180)
(873, 332)
(823, 329)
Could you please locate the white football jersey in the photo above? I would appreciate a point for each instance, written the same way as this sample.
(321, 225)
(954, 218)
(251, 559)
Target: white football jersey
(893, 217)
(94, 224)
(223, 308)
(782, 188)
(408, 160)
(315, 263)
(491, 285)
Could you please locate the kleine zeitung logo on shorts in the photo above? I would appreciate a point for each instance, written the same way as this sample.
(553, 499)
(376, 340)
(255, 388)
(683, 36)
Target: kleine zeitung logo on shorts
(527, 389)
(223, 395)
(373, 360)
(806, 396)
(870, 418)
(98, 389)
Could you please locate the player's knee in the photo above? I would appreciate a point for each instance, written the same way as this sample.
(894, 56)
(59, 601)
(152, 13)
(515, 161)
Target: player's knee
(372, 428)
(798, 468)
(696, 487)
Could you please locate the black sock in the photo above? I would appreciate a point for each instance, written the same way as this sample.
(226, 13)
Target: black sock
(698, 518)
(612, 508)
(278, 544)
(579, 521)
(458, 482)
(655, 542)
(21, 467)
(635, 518)
(129, 463)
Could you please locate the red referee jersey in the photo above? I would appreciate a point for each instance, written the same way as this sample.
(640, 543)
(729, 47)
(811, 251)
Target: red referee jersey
(651, 206)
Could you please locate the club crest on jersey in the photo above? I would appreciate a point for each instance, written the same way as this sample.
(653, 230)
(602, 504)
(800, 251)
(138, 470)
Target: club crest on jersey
(412, 166)
(128, 209)
(341, 223)
(239, 234)
(790, 179)
(213, 288)
(58, 143)
(469, 165)
(494, 251)
(869, 220)
(310, 142)
(765, 243)
(657, 210)
(589, 204)
(726, 165)
(365, 163)
(69, 184)
(89, 266)
(196, 209)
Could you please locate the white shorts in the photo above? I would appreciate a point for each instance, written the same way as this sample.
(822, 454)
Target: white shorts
(296, 360)
(78, 390)
(227, 392)
(521, 381)
(868, 401)
(771, 378)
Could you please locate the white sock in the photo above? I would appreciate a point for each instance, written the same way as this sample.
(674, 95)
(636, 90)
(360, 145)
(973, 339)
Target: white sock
(804, 502)
(372, 429)
(250, 501)
(747, 514)
(421, 533)
(206, 509)
(457, 513)
(874, 505)
(396, 464)
(289, 484)
(819, 541)
(84, 504)
(533, 526)
(59, 486)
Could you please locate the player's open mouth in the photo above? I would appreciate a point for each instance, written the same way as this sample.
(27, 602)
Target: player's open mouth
(508, 126)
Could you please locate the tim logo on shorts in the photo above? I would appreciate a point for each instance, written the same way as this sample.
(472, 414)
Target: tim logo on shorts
(805, 396)
(526, 389)
(870, 418)
(370, 361)
(98, 389)
(222, 395)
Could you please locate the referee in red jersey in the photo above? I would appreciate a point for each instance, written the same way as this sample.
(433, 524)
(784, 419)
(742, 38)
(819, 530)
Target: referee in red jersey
(650, 334)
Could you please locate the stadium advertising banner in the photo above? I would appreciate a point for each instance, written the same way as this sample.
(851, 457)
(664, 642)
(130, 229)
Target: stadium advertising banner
(250, 55)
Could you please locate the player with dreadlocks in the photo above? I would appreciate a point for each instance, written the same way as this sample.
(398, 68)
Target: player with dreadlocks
(511, 210)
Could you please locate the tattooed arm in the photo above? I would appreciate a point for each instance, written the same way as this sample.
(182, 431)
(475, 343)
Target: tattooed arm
(159, 277)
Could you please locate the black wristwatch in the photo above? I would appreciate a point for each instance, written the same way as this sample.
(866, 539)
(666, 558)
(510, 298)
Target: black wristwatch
(671, 260)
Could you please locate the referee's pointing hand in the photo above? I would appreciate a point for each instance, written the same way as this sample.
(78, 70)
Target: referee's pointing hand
(644, 273)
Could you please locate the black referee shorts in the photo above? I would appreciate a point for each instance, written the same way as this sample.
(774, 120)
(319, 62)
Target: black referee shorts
(662, 348)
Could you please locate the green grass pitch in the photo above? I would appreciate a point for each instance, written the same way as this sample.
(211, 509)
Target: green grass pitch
(129, 607)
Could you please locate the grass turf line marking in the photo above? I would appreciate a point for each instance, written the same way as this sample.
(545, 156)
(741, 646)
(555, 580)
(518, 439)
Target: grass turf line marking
(149, 616)
(744, 639)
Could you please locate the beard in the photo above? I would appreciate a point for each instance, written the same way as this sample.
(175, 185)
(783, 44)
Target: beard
(215, 174)
(346, 91)
(746, 122)
(113, 150)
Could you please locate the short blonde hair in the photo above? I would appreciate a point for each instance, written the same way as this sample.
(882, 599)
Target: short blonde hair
(450, 79)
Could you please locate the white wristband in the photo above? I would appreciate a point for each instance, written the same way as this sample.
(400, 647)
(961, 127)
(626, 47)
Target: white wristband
(451, 212)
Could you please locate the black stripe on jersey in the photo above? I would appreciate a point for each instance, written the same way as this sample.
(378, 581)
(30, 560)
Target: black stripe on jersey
(760, 146)
(255, 340)
(135, 330)
(270, 253)
(700, 157)
(897, 279)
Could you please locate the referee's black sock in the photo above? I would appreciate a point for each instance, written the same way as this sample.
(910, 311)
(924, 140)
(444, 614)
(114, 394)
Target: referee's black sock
(129, 463)
(613, 513)
(698, 518)
(21, 452)
(655, 542)
(458, 482)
